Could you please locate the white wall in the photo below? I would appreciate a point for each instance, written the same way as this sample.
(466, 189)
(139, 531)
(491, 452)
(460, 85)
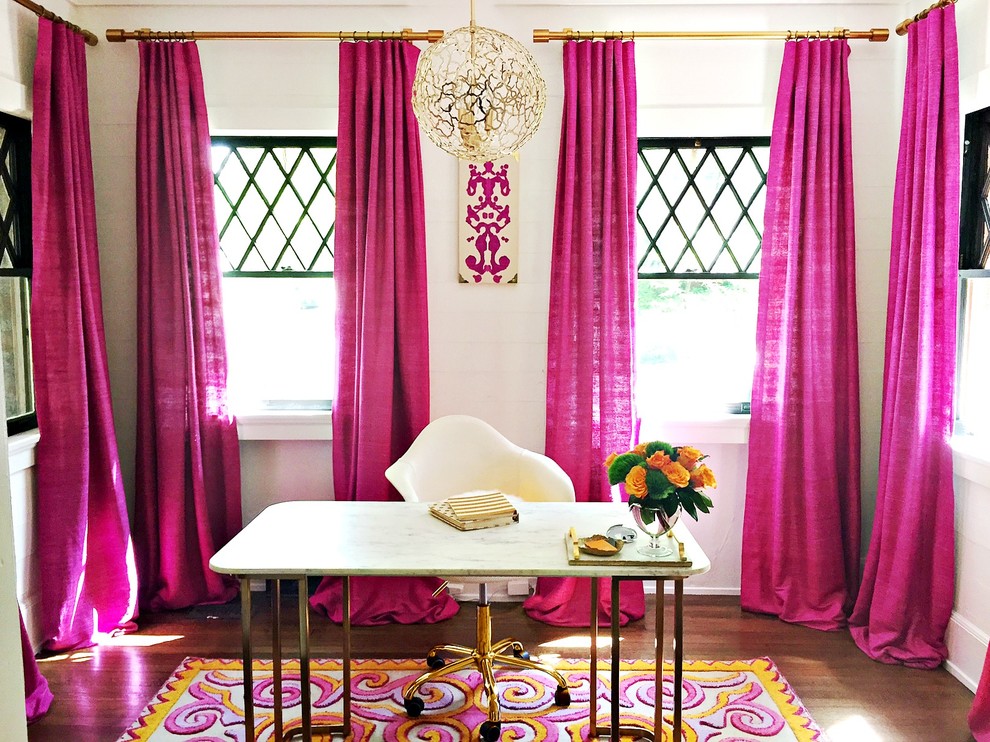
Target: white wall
(488, 343)
(969, 626)
(11, 668)
(22, 490)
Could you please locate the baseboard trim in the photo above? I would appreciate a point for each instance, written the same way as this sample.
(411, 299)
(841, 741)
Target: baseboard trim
(497, 594)
(967, 645)
(650, 588)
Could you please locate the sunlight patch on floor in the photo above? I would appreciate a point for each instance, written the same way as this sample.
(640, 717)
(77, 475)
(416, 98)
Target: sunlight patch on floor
(84, 656)
(854, 727)
(577, 641)
(140, 640)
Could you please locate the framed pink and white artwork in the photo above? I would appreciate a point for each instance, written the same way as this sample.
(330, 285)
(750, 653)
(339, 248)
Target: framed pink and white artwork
(487, 232)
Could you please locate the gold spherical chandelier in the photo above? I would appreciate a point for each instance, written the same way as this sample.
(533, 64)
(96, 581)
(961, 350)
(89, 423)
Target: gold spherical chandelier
(478, 94)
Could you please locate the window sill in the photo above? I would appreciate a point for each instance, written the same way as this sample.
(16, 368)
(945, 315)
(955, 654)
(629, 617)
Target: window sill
(718, 429)
(20, 450)
(971, 458)
(285, 425)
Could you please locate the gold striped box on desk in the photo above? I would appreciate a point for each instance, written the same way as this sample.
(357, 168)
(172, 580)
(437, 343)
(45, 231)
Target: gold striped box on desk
(474, 510)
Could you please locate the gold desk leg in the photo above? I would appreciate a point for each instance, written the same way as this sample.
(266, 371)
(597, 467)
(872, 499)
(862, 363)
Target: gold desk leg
(304, 686)
(615, 730)
(247, 659)
(307, 728)
(347, 655)
(277, 656)
(593, 674)
(658, 684)
(678, 653)
(615, 661)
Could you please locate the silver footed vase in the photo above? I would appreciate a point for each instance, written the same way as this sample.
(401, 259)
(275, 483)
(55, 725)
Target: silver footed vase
(655, 523)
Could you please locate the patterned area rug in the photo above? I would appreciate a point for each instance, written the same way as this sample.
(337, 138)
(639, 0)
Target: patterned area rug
(737, 700)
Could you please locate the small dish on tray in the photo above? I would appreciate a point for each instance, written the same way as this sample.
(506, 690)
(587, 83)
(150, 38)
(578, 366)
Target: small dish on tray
(599, 545)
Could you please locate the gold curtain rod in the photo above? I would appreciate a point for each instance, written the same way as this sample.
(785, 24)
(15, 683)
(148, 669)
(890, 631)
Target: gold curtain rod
(542, 35)
(43, 12)
(146, 34)
(902, 27)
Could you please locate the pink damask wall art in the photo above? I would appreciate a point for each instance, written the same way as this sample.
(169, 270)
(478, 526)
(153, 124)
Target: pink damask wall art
(487, 234)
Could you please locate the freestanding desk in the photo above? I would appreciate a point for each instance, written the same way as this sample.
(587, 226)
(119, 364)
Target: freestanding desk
(298, 540)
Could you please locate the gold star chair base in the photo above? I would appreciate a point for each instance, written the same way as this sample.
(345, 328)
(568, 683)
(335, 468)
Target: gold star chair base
(484, 656)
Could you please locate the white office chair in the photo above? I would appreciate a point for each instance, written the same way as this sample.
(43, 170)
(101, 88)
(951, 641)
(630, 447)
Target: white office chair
(458, 454)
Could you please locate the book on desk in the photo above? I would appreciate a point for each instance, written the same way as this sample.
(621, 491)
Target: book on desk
(474, 510)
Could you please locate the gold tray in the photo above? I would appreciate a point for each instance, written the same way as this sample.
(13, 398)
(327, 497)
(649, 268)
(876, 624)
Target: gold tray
(583, 546)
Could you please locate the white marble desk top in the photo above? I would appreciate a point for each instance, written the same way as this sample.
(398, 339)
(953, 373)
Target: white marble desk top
(297, 539)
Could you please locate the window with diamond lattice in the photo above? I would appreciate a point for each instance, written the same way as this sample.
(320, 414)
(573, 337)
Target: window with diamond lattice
(15, 272)
(275, 204)
(973, 387)
(974, 222)
(699, 214)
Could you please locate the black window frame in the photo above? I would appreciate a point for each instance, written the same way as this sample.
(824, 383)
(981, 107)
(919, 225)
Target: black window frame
(974, 216)
(974, 235)
(20, 249)
(710, 144)
(269, 142)
(747, 144)
(232, 265)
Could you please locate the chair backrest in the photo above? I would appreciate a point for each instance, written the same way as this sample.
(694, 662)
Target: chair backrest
(459, 453)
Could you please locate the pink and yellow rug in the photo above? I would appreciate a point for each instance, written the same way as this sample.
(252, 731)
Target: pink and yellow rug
(738, 700)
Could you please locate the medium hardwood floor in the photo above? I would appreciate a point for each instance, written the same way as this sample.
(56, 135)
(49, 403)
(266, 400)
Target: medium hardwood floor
(99, 691)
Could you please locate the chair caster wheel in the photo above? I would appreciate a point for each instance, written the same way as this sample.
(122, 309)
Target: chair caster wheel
(562, 697)
(521, 654)
(414, 706)
(490, 731)
(434, 661)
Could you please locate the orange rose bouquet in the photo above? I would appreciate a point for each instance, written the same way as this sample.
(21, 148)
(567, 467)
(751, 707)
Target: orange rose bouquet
(658, 476)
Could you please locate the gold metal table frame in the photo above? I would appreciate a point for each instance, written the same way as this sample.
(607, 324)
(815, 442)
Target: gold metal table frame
(255, 553)
(613, 731)
(306, 728)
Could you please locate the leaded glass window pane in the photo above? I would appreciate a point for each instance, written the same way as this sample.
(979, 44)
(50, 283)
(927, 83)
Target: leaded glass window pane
(275, 206)
(15, 272)
(700, 206)
(699, 212)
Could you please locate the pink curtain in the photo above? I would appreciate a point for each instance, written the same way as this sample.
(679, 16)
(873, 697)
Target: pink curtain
(904, 605)
(590, 358)
(188, 488)
(383, 380)
(86, 560)
(801, 527)
(37, 696)
(979, 714)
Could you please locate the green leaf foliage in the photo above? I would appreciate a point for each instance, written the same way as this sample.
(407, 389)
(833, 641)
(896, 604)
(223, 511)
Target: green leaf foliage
(657, 483)
(670, 505)
(654, 446)
(622, 465)
(687, 502)
(700, 504)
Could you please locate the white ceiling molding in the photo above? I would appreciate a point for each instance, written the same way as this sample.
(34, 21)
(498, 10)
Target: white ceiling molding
(495, 3)
(689, 3)
(242, 3)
